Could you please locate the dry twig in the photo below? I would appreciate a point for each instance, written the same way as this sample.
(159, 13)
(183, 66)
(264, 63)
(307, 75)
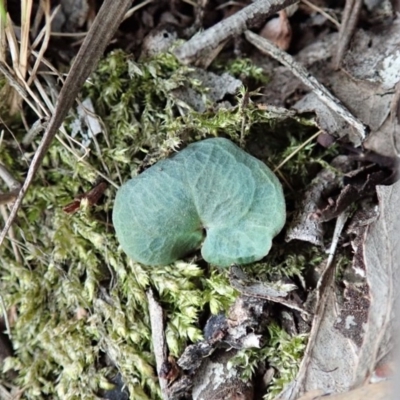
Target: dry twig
(293, 153)
(322, 12)
(158, 338)
(228, 28)
(3, 40)
(349, 21)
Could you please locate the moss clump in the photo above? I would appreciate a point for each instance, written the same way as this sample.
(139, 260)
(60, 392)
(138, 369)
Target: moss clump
(284, 354)
(79, 300)
(281, 351)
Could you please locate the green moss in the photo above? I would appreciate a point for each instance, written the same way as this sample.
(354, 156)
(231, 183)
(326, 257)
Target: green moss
(291, 262)
(78, 298)
(242, 68)
(281, 351)
(284, 354)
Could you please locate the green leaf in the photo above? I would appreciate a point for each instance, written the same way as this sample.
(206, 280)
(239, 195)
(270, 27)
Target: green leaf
(211, 193)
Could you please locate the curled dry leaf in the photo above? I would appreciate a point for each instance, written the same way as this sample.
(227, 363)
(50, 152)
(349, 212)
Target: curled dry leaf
(306, 225)
(278, 30)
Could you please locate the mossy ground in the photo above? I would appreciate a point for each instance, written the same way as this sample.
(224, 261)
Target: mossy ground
(79, 300)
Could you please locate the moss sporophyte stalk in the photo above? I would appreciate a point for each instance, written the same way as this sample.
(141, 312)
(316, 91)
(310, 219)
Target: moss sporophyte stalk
(212, 186)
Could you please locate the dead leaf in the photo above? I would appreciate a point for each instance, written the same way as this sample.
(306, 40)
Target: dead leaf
(277, 292)
(333, 356)
(327, 120)
(329, 358)
(365, 85)
(381, 255)
(358, 185)
(307, 223)
(377, 391)
(278, 31)
(205, 363)
(87, 124)
(337, 368)
(353, 313)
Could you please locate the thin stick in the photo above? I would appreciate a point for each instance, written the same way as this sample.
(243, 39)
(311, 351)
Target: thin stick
(351, 14)
(394, 106)
(209, 40)
(158, 338)
(305, 76)
(105, 24)
(13, 48)
(5, 198)
(3, 39)
(322, 12)
(11, 232)
(132, 10)
(46, 29)
(26, 10)
(69, 34)
(310, 139)
(81, 160)
(23, 91)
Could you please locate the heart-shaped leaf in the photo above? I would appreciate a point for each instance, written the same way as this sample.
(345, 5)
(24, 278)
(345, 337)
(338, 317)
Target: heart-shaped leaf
(213, 193)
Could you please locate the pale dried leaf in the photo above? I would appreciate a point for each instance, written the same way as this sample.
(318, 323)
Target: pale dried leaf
(378, 391)
(306, 226)
(333, 356)
(381, 256)
(278, 31)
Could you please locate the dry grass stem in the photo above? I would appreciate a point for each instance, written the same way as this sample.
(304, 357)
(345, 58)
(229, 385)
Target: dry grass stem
(8, 179)
(26, 11)
(350, 17)
(46, 32)
(304, 144)
(3, 39)
(132, 10)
